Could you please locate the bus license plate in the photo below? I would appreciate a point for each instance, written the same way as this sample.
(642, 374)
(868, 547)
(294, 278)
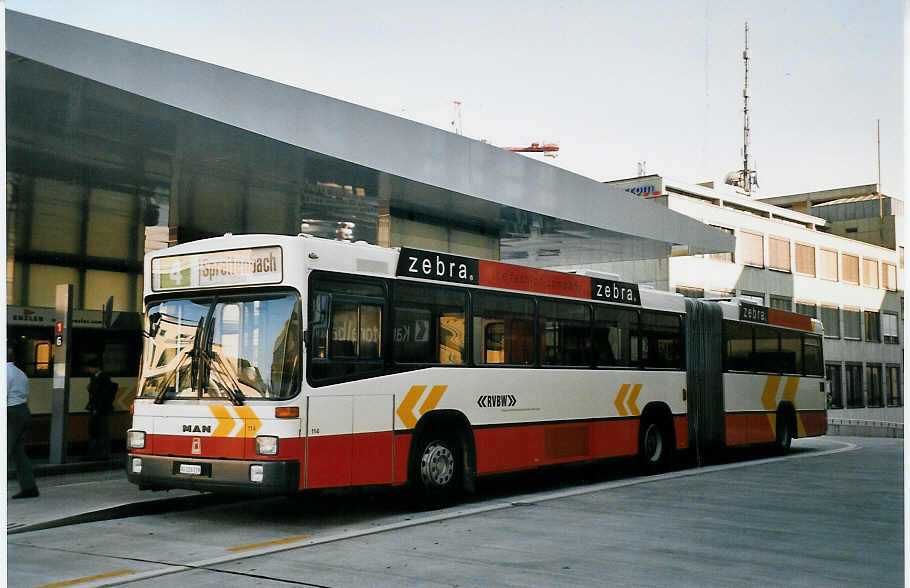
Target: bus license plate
(191, 468)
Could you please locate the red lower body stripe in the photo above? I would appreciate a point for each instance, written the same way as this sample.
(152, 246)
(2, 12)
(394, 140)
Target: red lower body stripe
(382, 457)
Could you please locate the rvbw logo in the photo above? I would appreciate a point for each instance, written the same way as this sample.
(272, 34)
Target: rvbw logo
(496, 401)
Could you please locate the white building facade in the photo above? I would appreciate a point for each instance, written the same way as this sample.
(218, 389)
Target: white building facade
(785, 259)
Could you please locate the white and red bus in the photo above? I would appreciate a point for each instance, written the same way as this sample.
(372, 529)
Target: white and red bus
(275, 364)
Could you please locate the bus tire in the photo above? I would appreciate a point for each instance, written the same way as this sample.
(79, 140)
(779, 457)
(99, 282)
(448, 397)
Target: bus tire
(437, 468)
(655, 445)
(784, 435)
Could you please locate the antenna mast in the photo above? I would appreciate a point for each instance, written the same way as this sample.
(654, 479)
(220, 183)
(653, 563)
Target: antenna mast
(747, 173)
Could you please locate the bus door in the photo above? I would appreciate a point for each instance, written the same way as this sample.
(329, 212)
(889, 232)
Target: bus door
(704, 375)
(349, 440)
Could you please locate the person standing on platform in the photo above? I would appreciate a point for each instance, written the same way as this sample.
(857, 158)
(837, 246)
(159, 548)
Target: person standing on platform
(101, 393)
(17, 419)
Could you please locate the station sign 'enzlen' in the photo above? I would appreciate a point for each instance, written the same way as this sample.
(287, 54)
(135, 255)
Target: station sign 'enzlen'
(444, 267)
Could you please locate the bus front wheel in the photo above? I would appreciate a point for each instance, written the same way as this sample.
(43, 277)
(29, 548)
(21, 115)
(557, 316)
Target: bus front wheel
(437, 470)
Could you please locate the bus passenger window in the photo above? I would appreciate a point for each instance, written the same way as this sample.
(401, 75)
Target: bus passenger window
(661, 341)
(613, 344)
(767, 350)
(565, 333)
(515, 316)
(737, 347)
(429, 325)
(791, 352)
(494, 343)
(43, 358)
(812, 356)
(319, 321)
(345, 328)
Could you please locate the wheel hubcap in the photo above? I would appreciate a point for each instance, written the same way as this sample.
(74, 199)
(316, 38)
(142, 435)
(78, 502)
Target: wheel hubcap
(437, 465)
(654, 443)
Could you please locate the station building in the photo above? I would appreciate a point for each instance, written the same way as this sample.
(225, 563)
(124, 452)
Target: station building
(114, 149)
(836, 255)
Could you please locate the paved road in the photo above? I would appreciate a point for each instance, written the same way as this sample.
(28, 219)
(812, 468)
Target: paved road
(831, 514)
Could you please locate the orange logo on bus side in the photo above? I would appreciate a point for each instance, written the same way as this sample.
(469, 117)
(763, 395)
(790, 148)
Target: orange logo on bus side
(405, 410)
(622, 402)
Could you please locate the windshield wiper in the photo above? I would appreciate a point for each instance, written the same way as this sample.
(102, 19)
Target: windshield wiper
(191, 354)
(224, 372)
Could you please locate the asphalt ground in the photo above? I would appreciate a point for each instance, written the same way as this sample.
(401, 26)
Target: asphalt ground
(830, 514)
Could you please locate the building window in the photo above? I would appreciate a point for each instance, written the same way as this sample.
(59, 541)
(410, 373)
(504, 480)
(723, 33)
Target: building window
(835, 385)
(854, 384)
(779, 253)
(753, 248)
(889, 328)
(850, 266)
(889, 276)
(807, 308)
(873, 326)
(805, 259)
(870, 273)
(827, 265)
(753, 297)
(690, 292)
(893, 385)
(831, 321)
(874, 382)
(853, 323)
(900, 250)
(781, 303)
(724, 257)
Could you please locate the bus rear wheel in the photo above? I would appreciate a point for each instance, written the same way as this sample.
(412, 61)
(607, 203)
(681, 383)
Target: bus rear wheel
(437, 469)
(654, 446)
(784, 435)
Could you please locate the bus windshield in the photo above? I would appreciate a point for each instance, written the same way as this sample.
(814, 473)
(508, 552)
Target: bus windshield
(235, 347)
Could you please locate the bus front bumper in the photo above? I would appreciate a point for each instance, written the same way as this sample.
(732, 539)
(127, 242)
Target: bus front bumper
(155, 472)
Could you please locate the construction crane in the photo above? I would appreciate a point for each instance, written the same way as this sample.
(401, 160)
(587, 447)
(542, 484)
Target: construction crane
(548, 149)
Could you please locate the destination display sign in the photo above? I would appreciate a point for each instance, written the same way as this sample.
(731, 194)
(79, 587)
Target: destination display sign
(235, 267)
(610, 291)
(442, 267)
(753, 313)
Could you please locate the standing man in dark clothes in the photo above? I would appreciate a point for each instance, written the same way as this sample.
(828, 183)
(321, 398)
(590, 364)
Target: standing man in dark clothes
(101, 393)
(17, 418)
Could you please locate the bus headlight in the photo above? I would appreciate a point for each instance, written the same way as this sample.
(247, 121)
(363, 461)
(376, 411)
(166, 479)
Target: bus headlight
(266, 445)
(135, 439)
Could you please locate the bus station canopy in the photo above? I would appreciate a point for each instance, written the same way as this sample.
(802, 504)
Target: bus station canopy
(150, 116)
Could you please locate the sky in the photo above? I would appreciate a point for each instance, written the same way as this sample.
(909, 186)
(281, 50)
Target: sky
(613, 83)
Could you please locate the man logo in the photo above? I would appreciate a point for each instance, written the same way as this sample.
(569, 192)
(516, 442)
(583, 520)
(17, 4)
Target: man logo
(197, 446)
(197, 428)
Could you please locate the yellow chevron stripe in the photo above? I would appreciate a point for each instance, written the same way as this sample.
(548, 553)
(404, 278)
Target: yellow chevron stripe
(407, 405)
(225, 421)
(432, 399)
(620, 398)
(769, 402)
(251, 423)
(632, 398)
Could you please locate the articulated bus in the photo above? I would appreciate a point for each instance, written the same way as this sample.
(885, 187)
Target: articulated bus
(277, 364)
(30, 333)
